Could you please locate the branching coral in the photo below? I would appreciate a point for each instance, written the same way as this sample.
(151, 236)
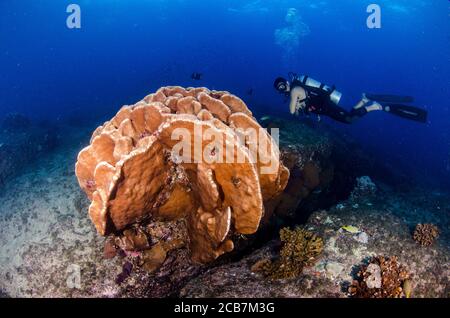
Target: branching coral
(182, 154)
(300, 248)
(383, 277)
(425, 234)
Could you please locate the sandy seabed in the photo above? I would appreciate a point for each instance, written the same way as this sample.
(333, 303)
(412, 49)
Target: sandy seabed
(46, 235)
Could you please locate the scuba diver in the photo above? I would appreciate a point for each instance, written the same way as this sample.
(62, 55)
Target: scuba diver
(310, 96)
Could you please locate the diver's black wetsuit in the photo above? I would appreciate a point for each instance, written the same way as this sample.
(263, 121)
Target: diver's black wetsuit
(310, 96)
(319, 102)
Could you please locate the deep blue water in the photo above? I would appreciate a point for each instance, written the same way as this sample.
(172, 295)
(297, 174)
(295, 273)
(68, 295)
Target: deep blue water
(126, 49)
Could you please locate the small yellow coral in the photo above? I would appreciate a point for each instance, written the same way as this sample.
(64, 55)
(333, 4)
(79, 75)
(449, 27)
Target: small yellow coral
(300, 248)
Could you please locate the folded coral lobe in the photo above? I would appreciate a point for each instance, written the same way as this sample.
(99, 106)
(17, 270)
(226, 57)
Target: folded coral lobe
(179, 154)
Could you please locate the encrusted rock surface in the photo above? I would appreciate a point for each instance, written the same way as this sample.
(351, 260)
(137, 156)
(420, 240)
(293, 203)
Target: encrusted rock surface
(337, 266)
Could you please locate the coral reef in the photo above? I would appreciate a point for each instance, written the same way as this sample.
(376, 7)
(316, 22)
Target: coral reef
(300, 248)
(44, 234)
(383, 277)
(425, 234)
(386, 221)
(144, 165)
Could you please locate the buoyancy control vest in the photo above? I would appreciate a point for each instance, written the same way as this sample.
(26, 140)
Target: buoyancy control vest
(311, 85)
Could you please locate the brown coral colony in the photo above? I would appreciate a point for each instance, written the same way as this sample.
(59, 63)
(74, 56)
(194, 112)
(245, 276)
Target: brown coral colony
(425, 234)
(383, 277)
(130, 172)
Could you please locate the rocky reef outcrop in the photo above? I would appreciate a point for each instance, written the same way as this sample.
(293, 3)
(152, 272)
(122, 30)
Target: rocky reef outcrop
(321, 171)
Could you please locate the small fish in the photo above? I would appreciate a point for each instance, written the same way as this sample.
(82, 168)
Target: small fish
(407, 288)
(264, 118)
(196, 76)
(351, 229)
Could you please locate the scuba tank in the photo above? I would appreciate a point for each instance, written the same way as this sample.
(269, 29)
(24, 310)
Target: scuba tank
(307, 82)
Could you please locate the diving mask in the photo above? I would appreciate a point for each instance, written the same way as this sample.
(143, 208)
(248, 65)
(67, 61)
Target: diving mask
(281, 85)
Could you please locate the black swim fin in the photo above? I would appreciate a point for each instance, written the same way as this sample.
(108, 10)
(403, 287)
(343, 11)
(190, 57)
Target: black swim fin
(407, 112)
(390, 98)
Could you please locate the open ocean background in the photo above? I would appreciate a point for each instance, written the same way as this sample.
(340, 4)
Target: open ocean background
(126, 49)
